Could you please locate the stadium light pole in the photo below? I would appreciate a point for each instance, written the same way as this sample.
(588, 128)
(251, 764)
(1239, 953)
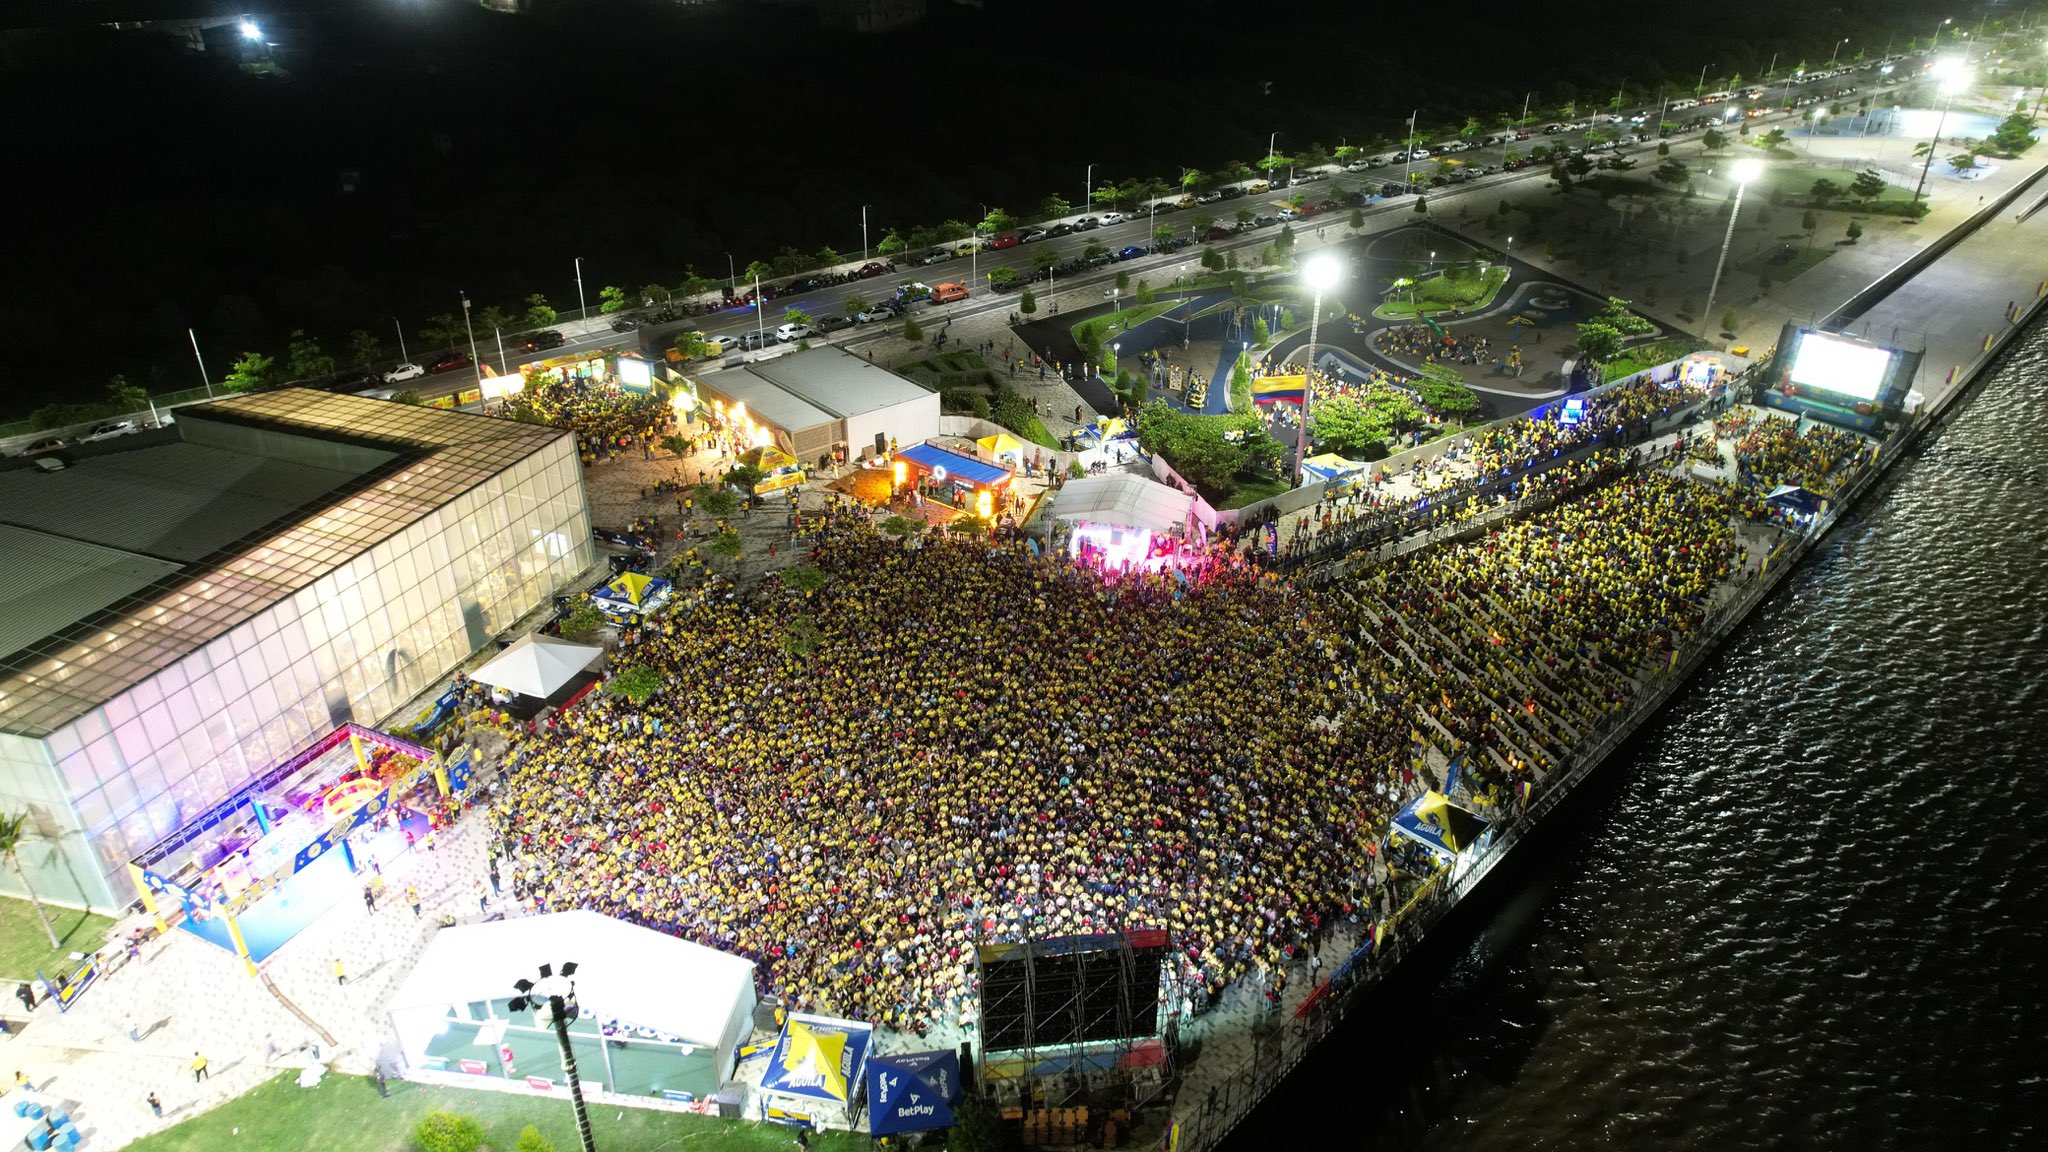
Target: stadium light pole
(864, 232)
(1088, 190)
(474, 363)
(558, 994)
(402, 357)
(1743, 172)
(1320, 273)
(1953, 77)
(1408, 153)
(582, 309)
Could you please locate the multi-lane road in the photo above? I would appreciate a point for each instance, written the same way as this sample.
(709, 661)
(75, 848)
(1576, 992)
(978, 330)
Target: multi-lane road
(1137, 229)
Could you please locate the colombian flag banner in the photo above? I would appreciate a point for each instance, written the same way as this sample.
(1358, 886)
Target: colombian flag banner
(1279, 389)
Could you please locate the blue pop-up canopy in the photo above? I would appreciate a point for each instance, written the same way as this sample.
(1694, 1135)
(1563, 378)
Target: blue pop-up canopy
(912, 1091)
(817, 1058)
(1793, 498)
(1439, 825)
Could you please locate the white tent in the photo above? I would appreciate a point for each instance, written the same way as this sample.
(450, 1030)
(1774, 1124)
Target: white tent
(536, 665)
(651, 979)
(1124, 500)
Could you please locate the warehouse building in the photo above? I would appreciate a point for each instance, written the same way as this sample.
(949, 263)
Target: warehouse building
(822, 400)
(186, 607)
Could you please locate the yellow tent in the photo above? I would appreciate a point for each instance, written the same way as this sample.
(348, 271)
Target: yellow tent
(1001, 444)
(768, 458)
(632, 586)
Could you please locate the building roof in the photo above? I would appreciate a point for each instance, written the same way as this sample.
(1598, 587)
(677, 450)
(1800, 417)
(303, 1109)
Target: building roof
(768, 402)
(838, 381)
(622, 970)
(1124, 499)
(345, 474)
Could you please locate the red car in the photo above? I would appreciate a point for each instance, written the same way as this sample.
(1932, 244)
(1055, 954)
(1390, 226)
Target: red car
(449, 363)
(1219, 233)
(869, 270)
(1006, 240)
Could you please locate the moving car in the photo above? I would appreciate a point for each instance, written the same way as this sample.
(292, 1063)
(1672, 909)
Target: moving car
(46, 444)
(948, 292)
(449, 363)
(937, 256)
(1109, 218)
(545, 338)
(404, 372)
(1131, 252)
(788, 332)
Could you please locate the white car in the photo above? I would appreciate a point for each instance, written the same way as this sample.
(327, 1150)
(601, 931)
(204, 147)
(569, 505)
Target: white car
(404, 372)
(875, 315)
(1208, 197)
(789, 332)
(1109, 218)
(108, 431)
(1036, 234)
(724, 344)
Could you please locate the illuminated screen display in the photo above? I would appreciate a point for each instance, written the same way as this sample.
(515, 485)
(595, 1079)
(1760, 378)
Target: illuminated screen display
(635, 373)
(1840, 366)
(1574, 410)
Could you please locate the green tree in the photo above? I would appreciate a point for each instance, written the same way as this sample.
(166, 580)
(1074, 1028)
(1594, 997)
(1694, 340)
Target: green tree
(14, 835)
(726, 544)
(854, 304)
(649, 293)
(125, 397)
(249, 372)
(1357, 220)
(1713, 139)
(826, 256)
(1001, 277)
(1208, 450)
(1809, 223)
(1260, 333)
(794, 315)
(1599, 341)
(1144, 294)
(1868, 184)
(1421, 205)
(1191, 179)
(444, 1131)
(1044, 258)
(1241, 383)
(1094, 249)
(407, 396)
(902, 526)
(715, 500)
(803, 577)
(1123, 281)
(1670, 172)
(1855, 232)
(1444, 392)
(1963, 161)
(1027, 303)
(1354, 426)
(442, 331)
(2014, 134)
(1211, 259)
(1286, 241)
(1775, 138)
(1663, 148)
(1729, 319)
(530, 1140)
(303, 358)
(892, 243)
(539, 313)
(1277, 162)
(1054, 206)
(638, 682)
(583, 619)
(1824, 190)
(1473, 127)
(912, 330)
(1161, 236)
(363, 348)
(1578, 166)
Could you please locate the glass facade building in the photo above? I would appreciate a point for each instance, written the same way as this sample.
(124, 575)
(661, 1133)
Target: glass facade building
(289, 562)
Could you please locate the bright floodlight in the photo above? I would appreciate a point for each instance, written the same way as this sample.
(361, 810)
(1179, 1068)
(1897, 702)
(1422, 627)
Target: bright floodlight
(250, 31)
(1746, 170)
(1321, 272)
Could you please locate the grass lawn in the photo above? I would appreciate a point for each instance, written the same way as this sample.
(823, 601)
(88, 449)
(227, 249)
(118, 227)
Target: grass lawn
(1252, 489)
(1797, 181)
(1441, 294)
(1117, 322)
(1802, 258)
(344, 1114)
(25, 947)
(1638, 357)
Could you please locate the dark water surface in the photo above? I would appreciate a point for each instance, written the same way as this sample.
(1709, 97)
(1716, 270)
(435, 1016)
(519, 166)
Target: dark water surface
(1806, 909)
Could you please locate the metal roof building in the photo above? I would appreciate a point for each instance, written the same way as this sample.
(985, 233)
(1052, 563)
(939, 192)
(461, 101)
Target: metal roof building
(187, 606)
(815, 401)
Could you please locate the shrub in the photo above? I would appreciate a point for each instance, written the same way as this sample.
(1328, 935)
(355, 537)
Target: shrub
(530, 1140)
(638, 684)
(443, 1131)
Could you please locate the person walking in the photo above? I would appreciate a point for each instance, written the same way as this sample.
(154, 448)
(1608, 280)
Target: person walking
(133, 1029)
(383, 1086)
(27, 995)
(412, 897)
(156, 1106)
(340, 973)
(483, 896)
(199, 1071)
(369, 899)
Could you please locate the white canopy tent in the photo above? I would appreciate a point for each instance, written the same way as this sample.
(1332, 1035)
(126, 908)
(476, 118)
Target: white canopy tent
(536, 665)
(653, 980)
(1124, 500)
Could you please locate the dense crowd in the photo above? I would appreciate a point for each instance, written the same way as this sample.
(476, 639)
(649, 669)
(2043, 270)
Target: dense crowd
(607, 420)
(1432, 346)
(1772, 451)
(950, 744)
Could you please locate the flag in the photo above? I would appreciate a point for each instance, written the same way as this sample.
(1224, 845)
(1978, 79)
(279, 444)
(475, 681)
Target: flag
(1279, 389)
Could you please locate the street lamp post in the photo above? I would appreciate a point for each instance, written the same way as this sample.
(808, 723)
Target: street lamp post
(1269, 154)
(1937, 31)
(760, 310)
(203, 377)
(1953, 78)
(582, 308)
(402, 357)
(1525, 111)
(864, 232)
(475, 363)
(732, 278)
(1408, 150)
(1702, 85)
(1813, 127)
(1088, 191)
(1743, 172)
(1832, 56)
(503, 360)
(558, 995)
(1321, 273)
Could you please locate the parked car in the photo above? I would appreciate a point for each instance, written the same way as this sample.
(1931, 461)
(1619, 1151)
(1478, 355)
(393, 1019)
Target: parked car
(755, 338)
(948, 292)
(108, 431)
(785, 333)
(875, 314)
(1393, 188)
(1033, 236)
(1109, 218)
(1260, 187)
(46, 444)
(1087, 223)
(1131, 252)
(1233, 192)
(404, 372)
(937, 256)
(833, 323)
(1209, 197)
(545, 338)
(449, 363)
(1061, 229)
(1006, 240)
(1185, 202)
(724, 344)
(625, 323)
(1289, 213)
(1218, 232)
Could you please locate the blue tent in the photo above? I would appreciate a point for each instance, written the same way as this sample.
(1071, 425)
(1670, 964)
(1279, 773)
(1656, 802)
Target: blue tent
(1793, 498)
(1439, 825)
(912, 1091)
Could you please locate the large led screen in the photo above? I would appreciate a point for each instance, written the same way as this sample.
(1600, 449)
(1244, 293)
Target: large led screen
(1840, 366)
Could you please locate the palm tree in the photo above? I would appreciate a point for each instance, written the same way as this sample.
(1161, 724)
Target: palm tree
(13, 832)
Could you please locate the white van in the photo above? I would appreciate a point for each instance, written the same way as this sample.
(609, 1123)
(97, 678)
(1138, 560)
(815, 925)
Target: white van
(1419, 154)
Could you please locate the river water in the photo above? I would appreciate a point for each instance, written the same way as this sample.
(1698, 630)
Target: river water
(1805, 909)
